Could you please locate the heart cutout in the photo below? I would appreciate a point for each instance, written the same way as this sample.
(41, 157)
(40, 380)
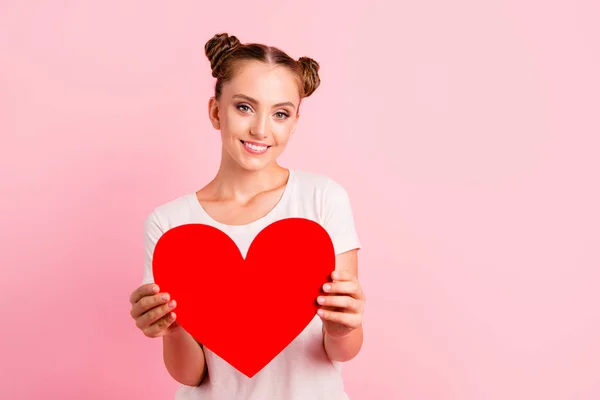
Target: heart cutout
(246, 311)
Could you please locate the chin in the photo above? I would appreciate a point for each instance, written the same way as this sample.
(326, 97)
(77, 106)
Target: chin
(253, 165)
(255, 161)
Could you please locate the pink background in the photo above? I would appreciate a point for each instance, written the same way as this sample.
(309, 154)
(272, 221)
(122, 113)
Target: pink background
(466, 132)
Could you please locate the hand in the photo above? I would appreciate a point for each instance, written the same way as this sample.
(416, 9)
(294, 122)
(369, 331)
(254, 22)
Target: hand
(151, 311)
(342, 309)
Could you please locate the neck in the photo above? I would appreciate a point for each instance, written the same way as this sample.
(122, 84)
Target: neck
(233, 182)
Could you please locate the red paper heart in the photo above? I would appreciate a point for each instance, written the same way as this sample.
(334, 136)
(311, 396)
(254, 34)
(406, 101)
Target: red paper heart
(245, 311)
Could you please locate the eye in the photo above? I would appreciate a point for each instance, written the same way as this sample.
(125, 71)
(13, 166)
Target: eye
(281, 115)
(243, 107)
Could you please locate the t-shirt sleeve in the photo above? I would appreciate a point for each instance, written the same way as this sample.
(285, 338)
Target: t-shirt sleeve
(152, 232)
(338, 218)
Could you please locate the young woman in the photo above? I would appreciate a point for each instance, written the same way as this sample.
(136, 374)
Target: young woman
(256, 107)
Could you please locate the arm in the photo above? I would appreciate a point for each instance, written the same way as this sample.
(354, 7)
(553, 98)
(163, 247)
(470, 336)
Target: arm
(344, 348)
(342, 328)
(183, 357)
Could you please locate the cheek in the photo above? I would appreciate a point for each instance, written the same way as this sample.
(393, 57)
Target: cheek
(233, 125)
(282, 132)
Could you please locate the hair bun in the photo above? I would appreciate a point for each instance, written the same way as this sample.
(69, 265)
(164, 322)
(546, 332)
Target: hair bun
(310, 74)
(217, 48)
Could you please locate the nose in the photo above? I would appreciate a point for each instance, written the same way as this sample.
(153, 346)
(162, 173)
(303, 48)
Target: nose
(259, 128)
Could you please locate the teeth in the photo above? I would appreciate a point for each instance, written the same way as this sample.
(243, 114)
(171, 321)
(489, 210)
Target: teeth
(255, 147)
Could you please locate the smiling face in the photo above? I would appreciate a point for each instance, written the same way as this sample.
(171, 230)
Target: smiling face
(256, 113)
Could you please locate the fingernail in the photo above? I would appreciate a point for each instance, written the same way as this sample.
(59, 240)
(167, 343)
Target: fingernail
(155, 289)
(327, 287)
(335, 275)
(321, 300)
(164, 297)
(321, 312)
(172, 304)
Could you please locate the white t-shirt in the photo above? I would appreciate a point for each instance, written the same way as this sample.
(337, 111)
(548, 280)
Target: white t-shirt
(302, 371)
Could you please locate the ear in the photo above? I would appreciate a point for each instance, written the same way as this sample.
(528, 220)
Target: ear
(213, 113)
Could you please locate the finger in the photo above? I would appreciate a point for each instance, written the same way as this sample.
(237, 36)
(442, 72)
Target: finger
(350, 320)
(343, 302)
(350, 288)
(343, 275)
(159, 327)
(148, 302)
(155, 314)
(144, 290)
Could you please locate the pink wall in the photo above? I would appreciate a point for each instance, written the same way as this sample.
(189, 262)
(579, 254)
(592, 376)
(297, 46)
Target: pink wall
(466, 132)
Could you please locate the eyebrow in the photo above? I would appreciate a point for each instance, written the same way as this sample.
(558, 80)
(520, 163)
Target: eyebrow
(251, 100)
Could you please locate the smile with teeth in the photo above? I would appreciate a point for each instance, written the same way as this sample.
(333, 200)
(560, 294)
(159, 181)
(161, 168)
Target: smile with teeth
(255, 147)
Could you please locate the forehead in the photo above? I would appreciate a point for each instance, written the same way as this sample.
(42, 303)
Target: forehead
(264, 82)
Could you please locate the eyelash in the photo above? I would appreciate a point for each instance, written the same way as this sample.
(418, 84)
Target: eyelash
(285, 115)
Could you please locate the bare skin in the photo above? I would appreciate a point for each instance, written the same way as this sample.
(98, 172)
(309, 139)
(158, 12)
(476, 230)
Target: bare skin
(246, 187)
(154, 316)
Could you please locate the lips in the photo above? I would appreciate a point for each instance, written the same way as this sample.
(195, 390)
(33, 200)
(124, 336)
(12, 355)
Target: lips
(255, 148)
(255, 143)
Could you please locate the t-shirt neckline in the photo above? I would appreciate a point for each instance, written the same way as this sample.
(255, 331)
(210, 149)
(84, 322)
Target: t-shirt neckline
(259, 221)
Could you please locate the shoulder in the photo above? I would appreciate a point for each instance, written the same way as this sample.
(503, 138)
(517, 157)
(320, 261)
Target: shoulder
(324, 192)
(319, 184)
(168, 213)
(333, 208)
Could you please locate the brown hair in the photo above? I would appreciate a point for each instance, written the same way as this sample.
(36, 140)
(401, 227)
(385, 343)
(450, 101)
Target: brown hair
(224, 51)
